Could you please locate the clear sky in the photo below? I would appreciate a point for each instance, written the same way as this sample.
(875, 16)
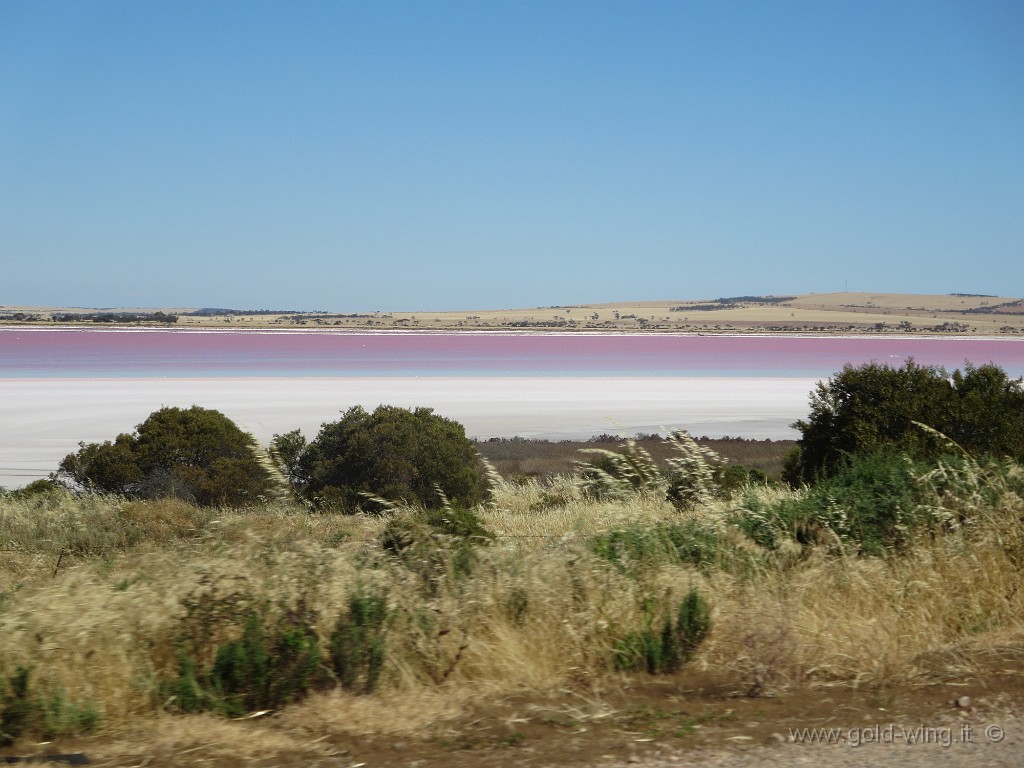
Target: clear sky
(355, 156)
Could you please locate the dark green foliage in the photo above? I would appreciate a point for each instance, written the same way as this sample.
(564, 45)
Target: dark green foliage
(115, 317)
(664, 646)
(693, 622)
(516, 605)
(864, 409)
(24, 710)
(357, 643)
(287, 449)
(194, 454)
(394, 454)
(261, 670)
(730, 478)
(16, 707)
(458, 522)
(38, 490)
(755, 299)
(185, 693)
(873, 504)
(413, 528)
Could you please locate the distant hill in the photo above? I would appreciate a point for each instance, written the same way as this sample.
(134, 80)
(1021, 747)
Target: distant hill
(955, 313)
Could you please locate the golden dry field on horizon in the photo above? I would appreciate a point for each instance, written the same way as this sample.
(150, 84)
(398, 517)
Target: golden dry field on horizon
(809, 313)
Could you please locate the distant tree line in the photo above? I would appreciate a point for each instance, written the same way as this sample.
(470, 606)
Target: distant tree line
(216, 311)
(115, 317)
(731, 301)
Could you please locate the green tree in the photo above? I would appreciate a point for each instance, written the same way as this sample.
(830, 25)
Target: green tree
(872, 407)
(196, 454)
(287, 449)
(392, 453)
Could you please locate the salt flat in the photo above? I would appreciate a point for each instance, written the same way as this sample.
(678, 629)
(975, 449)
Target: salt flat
(44, 419)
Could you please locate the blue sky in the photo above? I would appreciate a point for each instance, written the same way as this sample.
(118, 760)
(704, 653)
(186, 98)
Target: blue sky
(356, 156)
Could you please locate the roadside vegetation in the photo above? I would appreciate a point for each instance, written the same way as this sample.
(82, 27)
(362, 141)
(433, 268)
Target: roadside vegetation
(898, 566)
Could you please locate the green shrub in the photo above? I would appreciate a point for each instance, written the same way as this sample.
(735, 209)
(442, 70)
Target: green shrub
(185, 693)
(873, 504)
(17, 707)
(357, 643)
(864, 409)
(47, 491)
(648, 546)
(393, 454)
(195, 454)
(664, 645)
(734, 478)
(48, 714)
(260, 670)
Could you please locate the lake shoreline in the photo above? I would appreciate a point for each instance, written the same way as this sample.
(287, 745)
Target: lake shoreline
(626, 332)
(46, 418)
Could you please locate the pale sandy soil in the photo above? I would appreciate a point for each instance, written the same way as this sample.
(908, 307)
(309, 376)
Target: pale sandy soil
(826, 312)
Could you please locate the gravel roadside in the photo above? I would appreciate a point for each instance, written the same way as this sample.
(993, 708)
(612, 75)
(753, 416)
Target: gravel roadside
(978, 742)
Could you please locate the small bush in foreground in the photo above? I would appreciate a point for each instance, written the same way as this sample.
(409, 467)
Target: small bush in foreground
(662, 647)
(357, 643)
(435, 542)
(260, 670)
(49, 714)
(687, 542)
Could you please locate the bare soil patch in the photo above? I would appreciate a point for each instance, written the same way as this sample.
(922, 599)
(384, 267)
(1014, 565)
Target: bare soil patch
(631, 719)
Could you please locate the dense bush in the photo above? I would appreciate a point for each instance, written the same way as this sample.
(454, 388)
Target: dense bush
(357, 643)
(664, 646)
(274, 662)
(194, 454)
(393, 453)
(867, 408)
(874, 505)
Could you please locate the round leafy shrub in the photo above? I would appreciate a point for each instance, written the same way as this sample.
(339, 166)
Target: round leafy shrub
(872, 407)
(396, 454)
(195, 454)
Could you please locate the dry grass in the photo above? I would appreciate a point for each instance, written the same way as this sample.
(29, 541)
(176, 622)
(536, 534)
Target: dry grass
(539, 611)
